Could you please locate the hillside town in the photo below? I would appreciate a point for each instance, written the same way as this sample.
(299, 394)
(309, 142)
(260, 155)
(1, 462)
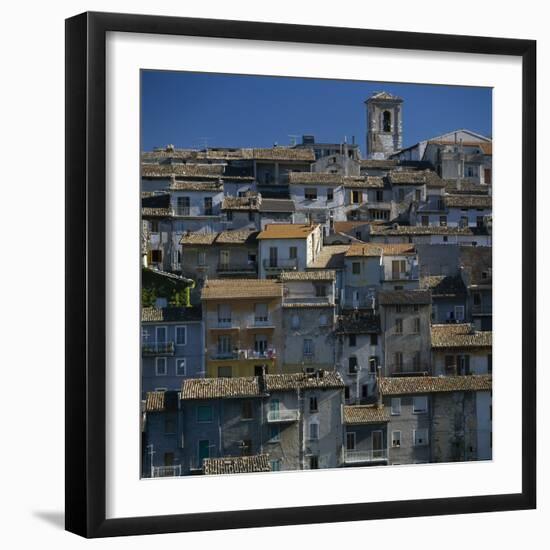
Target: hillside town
(307, 306)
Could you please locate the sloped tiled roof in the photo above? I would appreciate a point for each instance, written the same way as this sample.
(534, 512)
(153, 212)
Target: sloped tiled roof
(453, 187)
(404, 297)
(284, 153)
(286, 231)
(331, 257)
(384, 96)
(468, 201)
(379, 249)
(321, 275)
(348, 226)
(357, 322)
(194, 170)
(365, 414)
(277, 205)
(222, 289)
(460, 335)
(397, 230)
(288, 382)
(241, 203)
(170, 314)
(380, 164)
(434, 384)
(364, 182)
(444, 285)
(198, 238)
(202, 186)
(154, 401)
(236, 236)
(220, 388)
(415, 177)
(237, 464)
(477, 263)
(326, 178)
(148, 212)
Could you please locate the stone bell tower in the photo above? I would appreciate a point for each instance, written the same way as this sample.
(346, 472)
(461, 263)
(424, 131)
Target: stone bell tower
(384, 125)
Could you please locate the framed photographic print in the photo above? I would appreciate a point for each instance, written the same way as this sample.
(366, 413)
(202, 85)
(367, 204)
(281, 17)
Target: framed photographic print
(300, 274)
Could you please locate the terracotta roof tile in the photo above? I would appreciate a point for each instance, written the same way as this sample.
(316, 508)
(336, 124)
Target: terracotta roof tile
(198, 238)
(289, 382)
(167, 170)
(170, 314)
(222, 289)
(404, 297)
(147, 212)
(444, 285)
(286, 231)
(468, 201)
(460, 336)
(415, 177)
(330, 257)
(434, 384)
(202, 186)
(321, 275)
(248, 203)
(379, 249)
(365, 414)
(237, 464)
(357, 322)
(154, 401)
(220, 388)
(397, 230)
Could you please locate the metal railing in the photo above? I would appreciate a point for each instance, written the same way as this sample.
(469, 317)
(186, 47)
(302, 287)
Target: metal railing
(283, 415)
(234, 267)
(166, 471)
(244, 354)
(157, 348)
(279, 263)
(351, 457)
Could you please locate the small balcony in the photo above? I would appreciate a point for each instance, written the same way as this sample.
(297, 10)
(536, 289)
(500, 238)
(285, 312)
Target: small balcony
(166, 471)
(260, 322)
(236, 268)
(283, 415)
(280, 264)
(224, 324)
(149, 349)
(363, 457)
(244, 354)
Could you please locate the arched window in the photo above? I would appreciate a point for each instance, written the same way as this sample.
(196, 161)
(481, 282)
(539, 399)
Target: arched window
(386, 121)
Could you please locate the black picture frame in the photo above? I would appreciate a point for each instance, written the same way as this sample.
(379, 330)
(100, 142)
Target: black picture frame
(86, 278)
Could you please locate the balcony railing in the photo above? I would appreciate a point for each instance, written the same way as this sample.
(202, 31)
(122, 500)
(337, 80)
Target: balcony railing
(157, 348)
(225, 323)
(280, 264)
(316, 300)
(182, 211)
(283, 415)
(235, 267)
(244, 354)
(166, 471)
(259, 322)
(421, 369)
(355, 457)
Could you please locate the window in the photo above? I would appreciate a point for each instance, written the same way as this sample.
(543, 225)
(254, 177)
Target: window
(180, 366)
(295, 321)
(396, 406)
(182, 206)
(251, 216)
(313, 431)
(323, 320)
(398, 268)
(356, 197)
(274, 433)
(420, 404)
(204, 413)
(181, 336)
(374, 339)
(420, 437)
(224, 345)
(275, 465)
(260, 343)
(463, 221)
(201, 258)
(156, 256)
(330, 195)
(161, 366)
(398, 308)
(352, 340)
(203, 447)
(225, 371)
(154, 226)
(293, 252)
(398, 361)
(224, 314)
(417, 195)
(396, 438)
(229, 215)
(246, 447)
(208, 206)
(170, 424)
(415, 308)
(416, 325)
(310, 193)
(224, 258)
(313, 462)
(399, 326)
(459, 313)
(259, 370)
(443, 221)
(313, 404)
(320, 291)
(350, 441)
(352, 365)
(364, 391)
(260, 313)
(308, 347)
(416, 361)
(346, 392)
(450, 365)
(356, 268)
(373, 364)
(401, 195)
(425, 220)
(379, 195)
(477, 299)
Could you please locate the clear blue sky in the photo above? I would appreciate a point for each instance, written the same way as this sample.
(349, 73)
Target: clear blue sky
(183, 109)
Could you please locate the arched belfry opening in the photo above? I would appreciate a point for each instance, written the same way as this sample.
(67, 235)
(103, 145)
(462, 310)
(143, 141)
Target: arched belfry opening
(386, 121)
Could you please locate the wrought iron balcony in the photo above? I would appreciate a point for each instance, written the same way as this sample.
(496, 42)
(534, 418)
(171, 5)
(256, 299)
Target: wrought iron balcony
(157, 348)
(280, 264)
(229, 268)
